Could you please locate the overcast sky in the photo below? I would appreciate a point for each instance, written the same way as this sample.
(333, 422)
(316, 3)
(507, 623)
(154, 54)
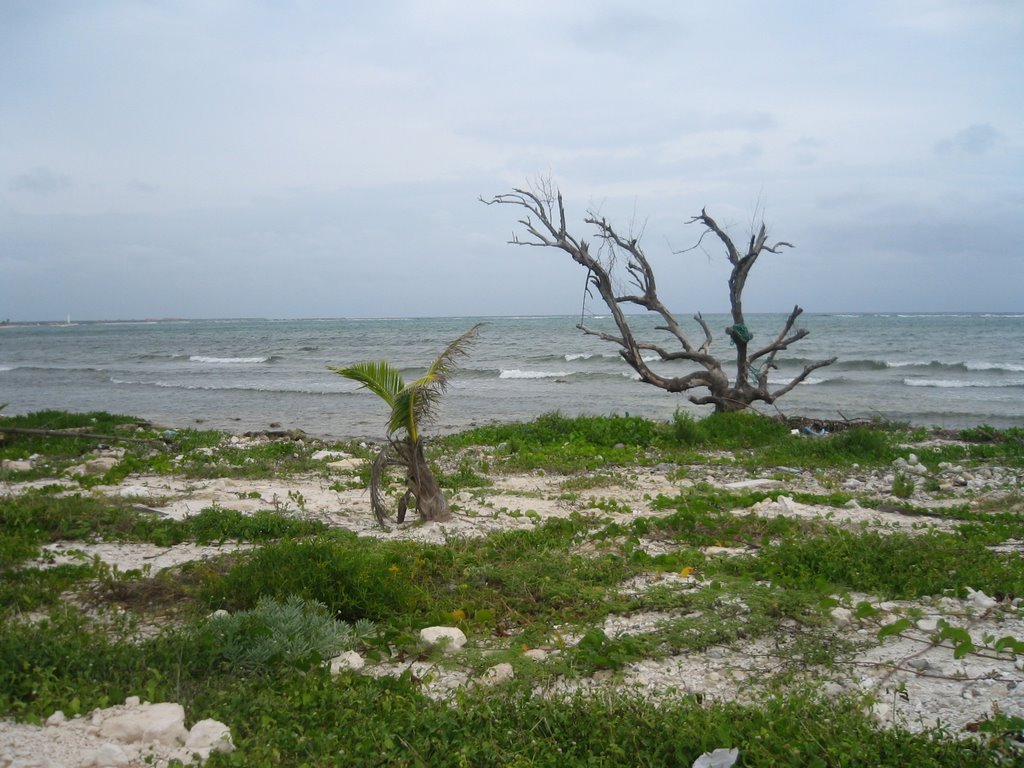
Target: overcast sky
(294, 158)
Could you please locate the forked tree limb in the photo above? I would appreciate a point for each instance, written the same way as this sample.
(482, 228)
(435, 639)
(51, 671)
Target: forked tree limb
(546, 227)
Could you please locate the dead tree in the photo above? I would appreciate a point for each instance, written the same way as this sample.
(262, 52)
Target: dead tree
(546, 226)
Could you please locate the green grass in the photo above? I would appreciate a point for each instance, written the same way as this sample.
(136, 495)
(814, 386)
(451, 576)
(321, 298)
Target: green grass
(892, 565)
(32, 519)
(284, 715)
(523, 588)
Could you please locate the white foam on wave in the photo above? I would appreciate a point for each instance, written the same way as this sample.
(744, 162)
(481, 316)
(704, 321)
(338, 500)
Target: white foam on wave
(518, 374)
(6, 367)
(961, 383)
(906, 363)
(578, 356)
(226, 360)
(995, 367)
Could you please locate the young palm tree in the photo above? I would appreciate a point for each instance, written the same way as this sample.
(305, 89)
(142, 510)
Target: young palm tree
(411, 408)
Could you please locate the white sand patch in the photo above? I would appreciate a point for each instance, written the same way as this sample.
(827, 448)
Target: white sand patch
(127, 556)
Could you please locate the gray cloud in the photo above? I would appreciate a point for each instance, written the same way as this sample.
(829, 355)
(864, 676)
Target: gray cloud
(976, 139)
(201, 159)
(40, 181)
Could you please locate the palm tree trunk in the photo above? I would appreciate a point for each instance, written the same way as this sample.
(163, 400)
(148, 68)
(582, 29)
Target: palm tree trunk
(430, 501)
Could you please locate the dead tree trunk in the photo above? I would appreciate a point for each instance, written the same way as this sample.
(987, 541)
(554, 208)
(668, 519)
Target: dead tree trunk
(546, 227)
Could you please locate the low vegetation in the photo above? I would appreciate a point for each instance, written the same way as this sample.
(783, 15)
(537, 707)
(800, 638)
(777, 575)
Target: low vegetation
(718, 575)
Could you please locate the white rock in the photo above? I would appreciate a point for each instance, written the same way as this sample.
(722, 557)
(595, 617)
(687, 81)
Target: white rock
(759, 482)
(346, 465)
(347, 660)
(928, 624)
(330, 456)
(99, 466)
(499, 673)
(720, 758)
(220, 613)
(209, 736)
(841, 617)
(452, 638)
(912, 460)
(134, 491)
(537, 654)
(132, 701)
(107, 756)
(57, 718)
(788, 505)
(163, 723)
(980, 600)
(15, 465)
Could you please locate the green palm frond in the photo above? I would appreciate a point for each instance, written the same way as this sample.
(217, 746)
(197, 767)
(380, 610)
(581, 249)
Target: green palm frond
(426, 391)
(403, 413)
(380, 377)
(411, 405)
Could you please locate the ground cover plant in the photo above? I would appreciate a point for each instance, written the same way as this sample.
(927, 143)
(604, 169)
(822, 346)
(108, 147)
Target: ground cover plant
(639, 562)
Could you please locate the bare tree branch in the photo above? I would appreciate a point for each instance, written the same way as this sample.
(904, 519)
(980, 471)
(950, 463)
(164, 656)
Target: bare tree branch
(545, 226)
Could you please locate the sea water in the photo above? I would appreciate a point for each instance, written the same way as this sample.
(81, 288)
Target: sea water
(239, 375)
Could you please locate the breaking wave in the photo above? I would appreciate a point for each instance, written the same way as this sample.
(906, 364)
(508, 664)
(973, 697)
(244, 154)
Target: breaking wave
(228, 360)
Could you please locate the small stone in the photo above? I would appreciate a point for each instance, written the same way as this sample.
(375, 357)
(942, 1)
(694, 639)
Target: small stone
(132, 701)
(537, 654)
(833, 689)
(57, 718)
(927, 624)
(980, 600)
(758, 482)
(98, 466)
(499, 673)
(209, 736)
(720, 758)
(919, 664)
(346, 465)
(347, 660)
(109, 756)
(16, 465)
(452, 638)
(330, 456)
(164, 723)
(912, 460)
(788, 505)
(841, 617)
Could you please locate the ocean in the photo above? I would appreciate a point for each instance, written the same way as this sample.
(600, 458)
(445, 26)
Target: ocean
(240, 375)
